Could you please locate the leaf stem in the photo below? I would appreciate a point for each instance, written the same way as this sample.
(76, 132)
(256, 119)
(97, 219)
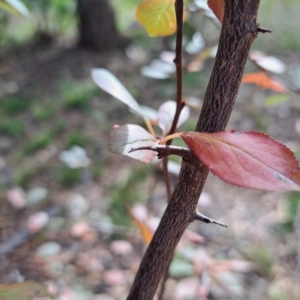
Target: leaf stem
(166, 140)
(149, 126)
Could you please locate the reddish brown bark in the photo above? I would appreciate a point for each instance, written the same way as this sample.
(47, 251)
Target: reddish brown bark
(238, 32)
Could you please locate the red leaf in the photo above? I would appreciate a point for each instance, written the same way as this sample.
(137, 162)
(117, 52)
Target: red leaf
(249, 159)
(263, 80)
(218, 8)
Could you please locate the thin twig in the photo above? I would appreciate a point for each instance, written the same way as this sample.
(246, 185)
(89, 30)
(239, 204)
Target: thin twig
(262, 30)
(179, 106)
(205, 219)
(149, 126)
(178, 63)
(179, 103)
(163, 282)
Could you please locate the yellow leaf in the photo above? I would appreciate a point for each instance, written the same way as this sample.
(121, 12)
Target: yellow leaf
(157, 16)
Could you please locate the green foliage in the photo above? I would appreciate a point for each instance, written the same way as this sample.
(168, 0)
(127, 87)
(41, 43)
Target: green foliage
(127, 193)
(14, 104)
(275, 99)
(76, 139)
(68, 177)
(286, 37)
(55, 16)
(59, 127)
(42, 112)
(97, 169)
(125, 12)
(38, 142)
(11, 127)
(291, 213)
(24, 176)
(77, 96)
(262, 257)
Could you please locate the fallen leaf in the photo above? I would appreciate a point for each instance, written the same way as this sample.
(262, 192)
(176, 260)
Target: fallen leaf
(114, 277)
(37, 221)
(265, 81)
(16, 196)
(80, 229)
(75, 157)
(146, 232)
(121, 247)
(187, 288)
(48, 249)
(267, 62)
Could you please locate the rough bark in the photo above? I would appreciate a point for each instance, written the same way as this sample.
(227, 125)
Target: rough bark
(239, 29)
(97, 27)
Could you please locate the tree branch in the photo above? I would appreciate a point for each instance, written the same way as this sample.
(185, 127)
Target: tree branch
(205, 219)
(178, 63)
(239, 30)
(165, 150)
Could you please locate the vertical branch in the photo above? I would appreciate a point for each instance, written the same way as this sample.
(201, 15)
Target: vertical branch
(239, 29)
(178, 64)
(179, 103)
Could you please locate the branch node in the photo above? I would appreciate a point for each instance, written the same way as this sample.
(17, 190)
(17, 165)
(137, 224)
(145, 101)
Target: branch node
(176, 60)
(202, 218)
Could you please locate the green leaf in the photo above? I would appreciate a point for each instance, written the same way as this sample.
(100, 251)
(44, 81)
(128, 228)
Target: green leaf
(21, 291)
(15, 7)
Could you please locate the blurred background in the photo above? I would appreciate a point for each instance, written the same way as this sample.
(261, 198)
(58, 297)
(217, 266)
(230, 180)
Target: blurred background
(77, 218)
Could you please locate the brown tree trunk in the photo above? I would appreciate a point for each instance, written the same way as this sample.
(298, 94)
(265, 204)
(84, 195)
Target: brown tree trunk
(97, 25)
(239, 29)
